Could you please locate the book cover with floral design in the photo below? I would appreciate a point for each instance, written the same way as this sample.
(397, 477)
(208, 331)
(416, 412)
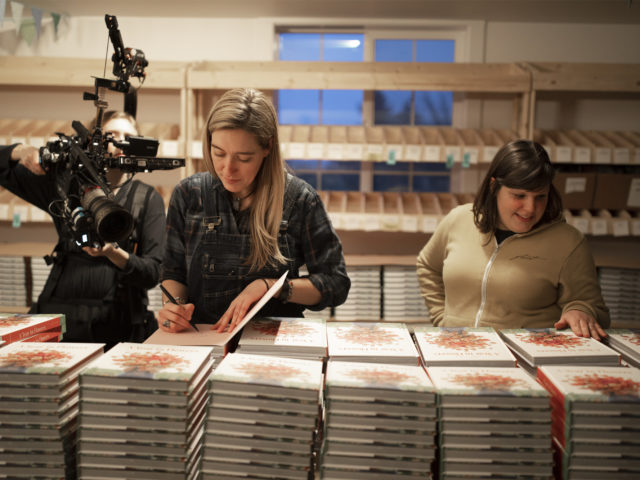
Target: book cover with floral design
(485, 381)
(244, 368)
(285, 332)
(377, 376)
(548, 345)
(371, 341)
(25, 362)
(440, 346)
(626, 341)
(147, 361)
(16, 326)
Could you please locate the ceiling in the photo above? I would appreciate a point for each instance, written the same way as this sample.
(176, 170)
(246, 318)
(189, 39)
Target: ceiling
(562, 11)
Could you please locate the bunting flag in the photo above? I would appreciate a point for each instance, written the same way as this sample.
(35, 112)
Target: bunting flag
(28, 27)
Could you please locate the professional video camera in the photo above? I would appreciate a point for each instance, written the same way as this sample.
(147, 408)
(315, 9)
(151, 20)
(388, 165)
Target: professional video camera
(79, 163)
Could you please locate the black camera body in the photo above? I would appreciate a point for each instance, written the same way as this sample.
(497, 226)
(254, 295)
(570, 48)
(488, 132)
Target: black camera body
(79, 163)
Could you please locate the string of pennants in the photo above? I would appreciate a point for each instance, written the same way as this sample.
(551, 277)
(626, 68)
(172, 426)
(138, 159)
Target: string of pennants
(27, 27)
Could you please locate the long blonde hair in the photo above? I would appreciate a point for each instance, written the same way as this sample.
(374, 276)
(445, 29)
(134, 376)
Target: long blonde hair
(252, 111)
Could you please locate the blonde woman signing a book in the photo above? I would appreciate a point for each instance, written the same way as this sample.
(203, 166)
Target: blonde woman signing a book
(234, 230)
(509, 260)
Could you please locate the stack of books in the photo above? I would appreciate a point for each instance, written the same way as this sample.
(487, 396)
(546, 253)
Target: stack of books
(596, 420)
(285, 337)
(621, 293)
(363, 302)
(371, 342)
(39, 274)
(39, 407)
(474, 347)
(16, 327)
(13, 292)
(380, 422)
(401, 295)
(142, 410)
(493, 422)
(263, 418)
(548, 346)
(627, 343)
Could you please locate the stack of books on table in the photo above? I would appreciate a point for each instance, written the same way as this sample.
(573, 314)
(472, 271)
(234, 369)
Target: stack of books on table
(627, 343)
(548, 346)
(13, 292)
(474, 347)
(494, 422)
(263, 418)
(39, 274)
(39, 407)
(596, 421)
(401, 295)
(363, 302)
(285, 337)
(380, 422)
(371, 342)
(142, 410)
(29, 327)
(621, 293)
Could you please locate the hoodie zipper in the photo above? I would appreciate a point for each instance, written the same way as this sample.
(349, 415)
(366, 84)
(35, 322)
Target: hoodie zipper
(483, 288)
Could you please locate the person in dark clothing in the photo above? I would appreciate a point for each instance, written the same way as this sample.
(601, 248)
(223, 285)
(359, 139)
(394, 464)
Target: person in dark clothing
(101, 290)
(234, 230)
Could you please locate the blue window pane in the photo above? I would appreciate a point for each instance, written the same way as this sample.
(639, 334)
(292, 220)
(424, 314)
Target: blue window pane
(430, 167)
(298, 107)
(385, 167)
(342, 107)
(390, 183)
(303, 164)
(392, 108)
(331, 165)
(434, 108)
(435, 183)
(394, 50)
(435, 50)
(300, 46)
(343, 47)
(340, 181)
(310, 178)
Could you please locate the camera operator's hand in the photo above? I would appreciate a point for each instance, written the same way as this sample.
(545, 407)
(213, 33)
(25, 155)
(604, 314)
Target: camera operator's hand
(29, 157)
(115, 254)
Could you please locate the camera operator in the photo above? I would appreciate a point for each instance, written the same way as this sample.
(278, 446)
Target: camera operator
(102, 290)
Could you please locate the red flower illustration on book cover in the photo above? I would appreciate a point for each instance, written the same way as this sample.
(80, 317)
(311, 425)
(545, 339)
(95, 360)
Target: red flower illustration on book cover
(488, 381)
(26, 359)
(380, 376)
(14, 320)
(260, 371)
(148, 362)
(552, 339)
(459, 340)
(607, 384)
(633, 338)
(275, 327)
(373, 335)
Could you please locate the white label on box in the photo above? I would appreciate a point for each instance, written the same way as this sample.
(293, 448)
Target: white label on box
(371, 222)
(488, 153)
(472, 154)
(633, 200)
(351, 221)
(169, 148)
(354, 151)
(389, 221)
(18, 140)
(196, 149)
(315, 150)
(581, 224)
(412, 153)
(374, 151)
(22, 211)
(620, 227)
(575, 184)
(563, 154)
(603, 155)
(336, 220)
(297, 150)
(453, 153)
(409, 223)
(598, 226)
(4, 211)
(36, 142)
(429, 224)
(431, 153)
(582, 155)
(335, 151)
(621, 156)
(36, 214)
(635, 227)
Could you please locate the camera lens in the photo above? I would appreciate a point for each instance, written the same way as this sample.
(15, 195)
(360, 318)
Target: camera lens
(112, 222)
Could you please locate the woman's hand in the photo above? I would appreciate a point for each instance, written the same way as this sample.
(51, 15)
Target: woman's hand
(582, 324)
(241, 305)
(29, 157)
(175, 318)
(115, 254)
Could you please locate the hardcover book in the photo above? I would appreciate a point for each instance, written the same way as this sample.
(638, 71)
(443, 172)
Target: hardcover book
(627, 343)
(375, 342)
(18, 326)
(477, 347)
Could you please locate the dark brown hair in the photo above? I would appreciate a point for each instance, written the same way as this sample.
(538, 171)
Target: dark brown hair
(520, 164)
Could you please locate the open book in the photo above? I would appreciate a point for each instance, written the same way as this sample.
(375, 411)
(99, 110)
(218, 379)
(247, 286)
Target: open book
(206, 336)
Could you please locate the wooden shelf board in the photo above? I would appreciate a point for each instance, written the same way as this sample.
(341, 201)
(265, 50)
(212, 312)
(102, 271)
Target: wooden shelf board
(594, 77)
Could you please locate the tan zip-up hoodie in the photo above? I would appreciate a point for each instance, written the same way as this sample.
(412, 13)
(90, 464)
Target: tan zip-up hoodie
(527, 281)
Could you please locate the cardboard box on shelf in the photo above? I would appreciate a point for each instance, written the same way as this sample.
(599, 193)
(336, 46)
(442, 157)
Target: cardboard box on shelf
(617, 191)
(576, 189)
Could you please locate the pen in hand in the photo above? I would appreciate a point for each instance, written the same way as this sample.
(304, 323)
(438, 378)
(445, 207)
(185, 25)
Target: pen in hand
(173, 300)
